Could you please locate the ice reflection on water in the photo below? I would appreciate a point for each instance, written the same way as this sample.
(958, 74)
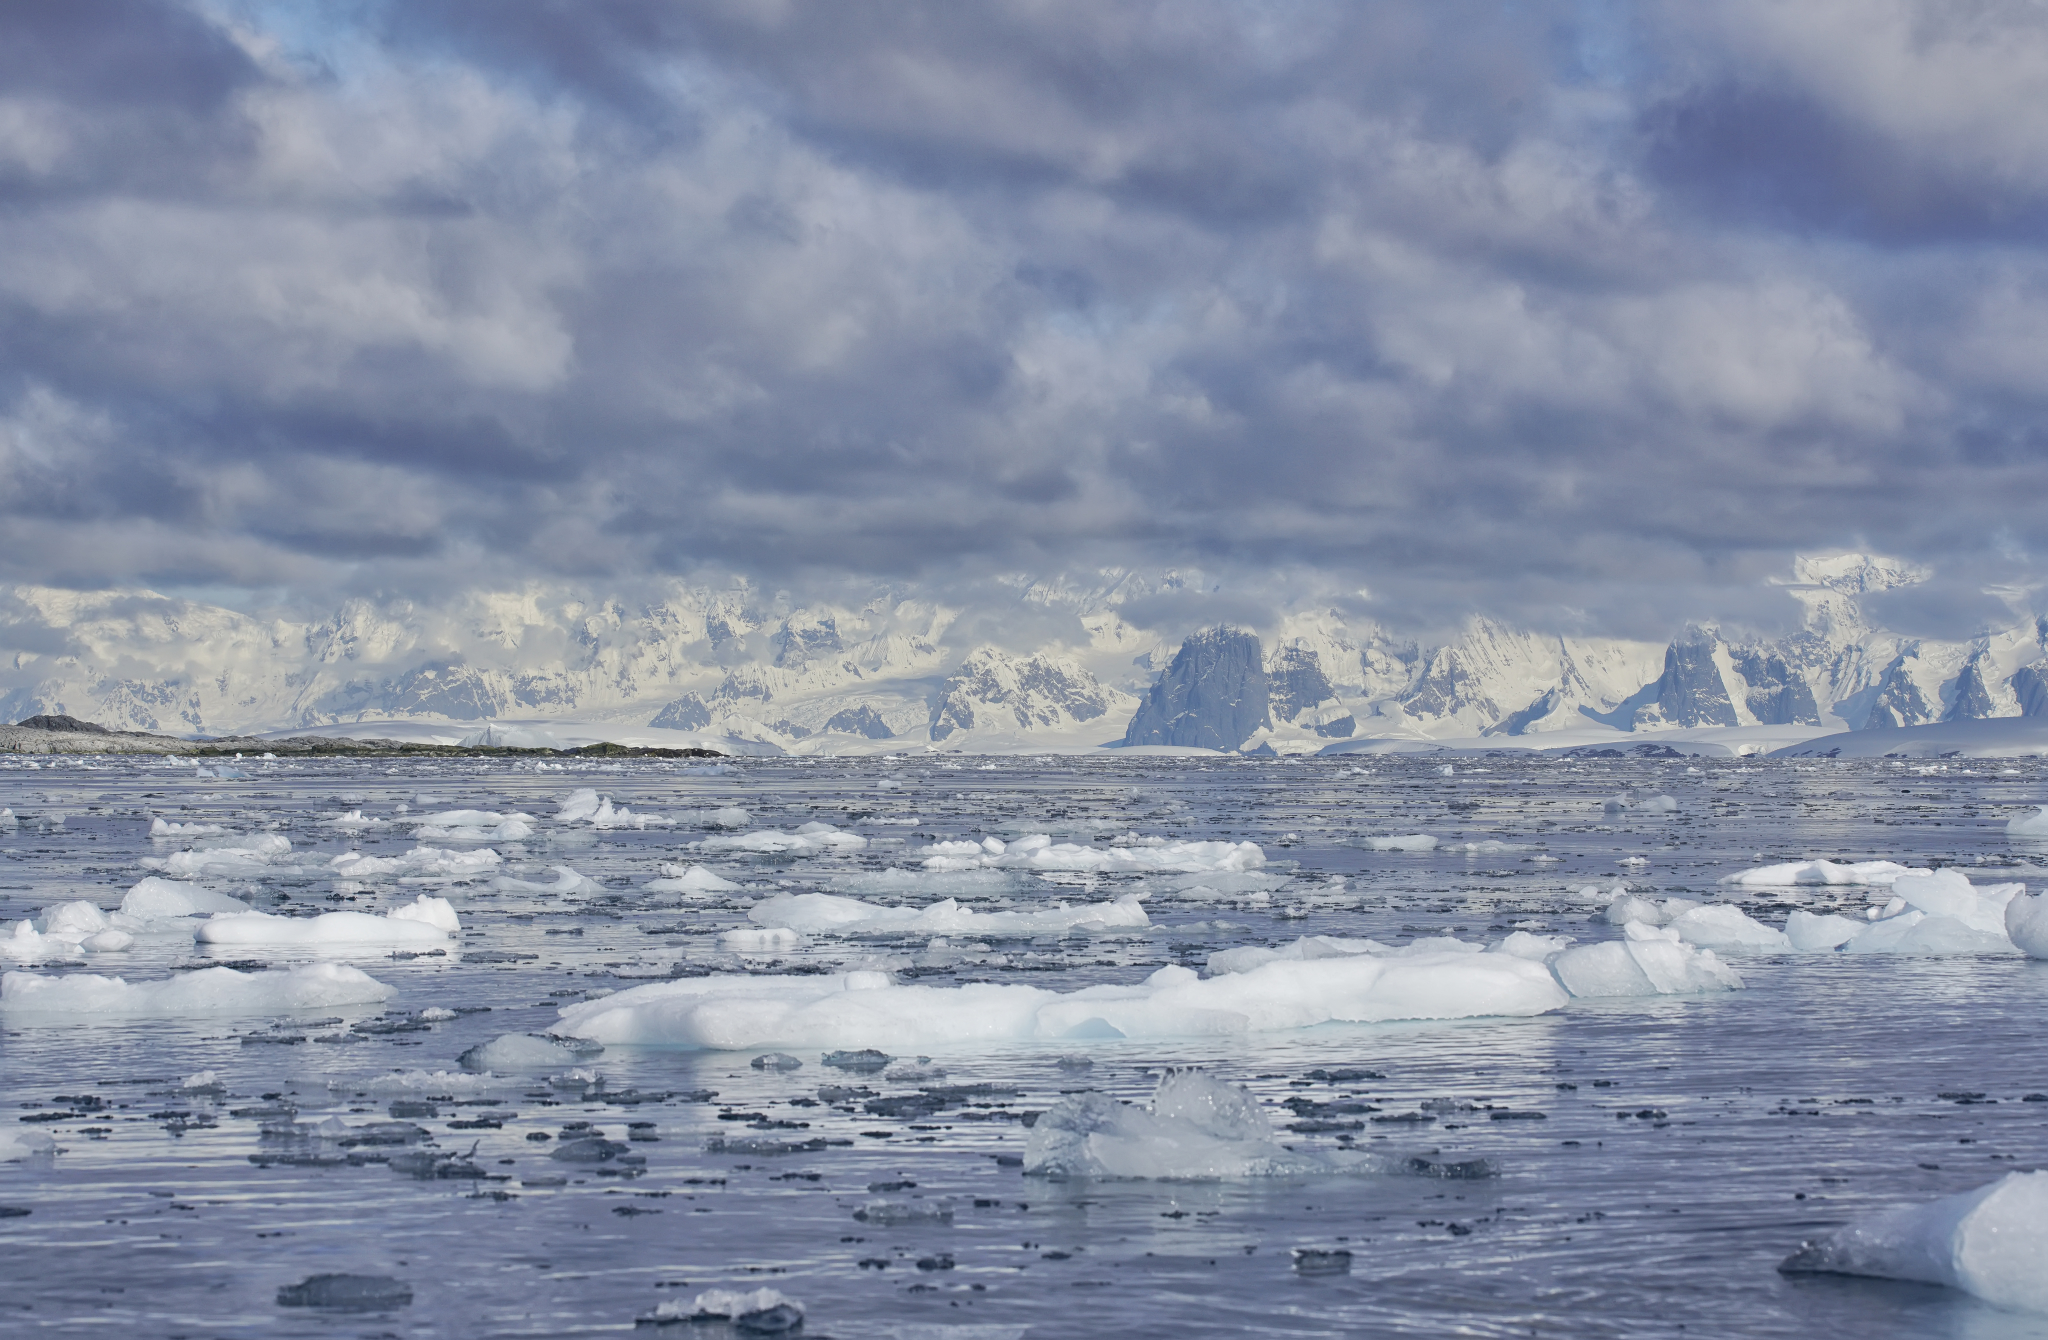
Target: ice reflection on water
(1606, 1222)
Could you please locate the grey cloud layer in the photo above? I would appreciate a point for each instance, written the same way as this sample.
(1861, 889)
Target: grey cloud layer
(1565, 307)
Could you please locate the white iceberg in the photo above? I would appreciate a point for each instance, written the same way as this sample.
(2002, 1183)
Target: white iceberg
(2033, 825)
(1991, 1242)
(156, 897)
(1133, 856)
(1311, 947)
(1793, 874)
(16, 1145)
(586, 806)
(824, 913)
(160, 829)
(474, 826)
(1402, 842)
(2026, 923)
(517, 1053)
(1815, 932)
(1726, 929)
(565, 882)
(689, 879)
(1646, 961)
(205, 991)
(1197, 1128)
(255, 857)
(495, 736)
(424, 921)
(808, 840)
(422, 865)
(868, 1009)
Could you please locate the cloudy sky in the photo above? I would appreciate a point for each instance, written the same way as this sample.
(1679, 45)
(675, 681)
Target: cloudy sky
(1590, 311)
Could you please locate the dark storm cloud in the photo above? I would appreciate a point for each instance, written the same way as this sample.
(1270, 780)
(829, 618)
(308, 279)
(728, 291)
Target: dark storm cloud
(1599, 312)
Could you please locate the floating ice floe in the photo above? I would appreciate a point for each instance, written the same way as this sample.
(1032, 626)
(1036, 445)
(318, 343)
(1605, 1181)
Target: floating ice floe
(524, 1053)
(424, 921)
(1938, 913)
(811, 839)
(729, 816)
(473, 826)
(565, 882)
(1716, 926)
(1792, 874)
(156, 897)
(205, 991)
(1646, 961)
(753, 1312)
(257, 856)
(585, 806)
(454, 1083)
(1991, 1242)
(1135, 856)
(868, 1009)
(16, 1145)
(2026, 923)
(2033, 825)
(690, 879)
(1311, 947)
(1401, 842)
(159, 829)
(353, 821)
(1197, 1128)
(824, 913)
(917, 883)
(65, 930)
(421, 865)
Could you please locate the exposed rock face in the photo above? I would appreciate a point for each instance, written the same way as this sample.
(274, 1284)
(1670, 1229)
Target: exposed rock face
(2030, 685)
(1777, 696)
(688, 712)
(1972, 696)
(992, 691)
(1899, 701)
(862, 720)
(1691, 691)
(63, 723)
(1213, 696)
(1296, 683)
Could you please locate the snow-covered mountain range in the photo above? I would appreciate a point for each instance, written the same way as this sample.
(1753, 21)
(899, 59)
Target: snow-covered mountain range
(903, 668)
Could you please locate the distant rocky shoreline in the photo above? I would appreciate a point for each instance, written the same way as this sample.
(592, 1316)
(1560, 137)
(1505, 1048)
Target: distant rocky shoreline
(69, 735)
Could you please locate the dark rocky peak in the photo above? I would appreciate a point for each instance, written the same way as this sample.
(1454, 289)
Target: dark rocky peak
(688, 712)
(1215, 695)
(1777, 695)
(1296, 683)
(1691, 691)
(59, 722)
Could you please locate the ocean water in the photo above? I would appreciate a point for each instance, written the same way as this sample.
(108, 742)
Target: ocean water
(1686, 1145)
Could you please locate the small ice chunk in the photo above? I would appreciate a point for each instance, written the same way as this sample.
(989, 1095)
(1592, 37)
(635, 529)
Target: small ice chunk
(1646, 961)
(2029, 825)
(1990, 1242)
(1726, 929)
(1659, 805)
(1627, 907)
(523, 1053)
(473, 826)
(1812, 932)
(346, 1293)
(689, 879)
(2026, 923)
(776, 1061)
(159, 829)
(19, 1144)
(1402, 842)
(565, 883)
